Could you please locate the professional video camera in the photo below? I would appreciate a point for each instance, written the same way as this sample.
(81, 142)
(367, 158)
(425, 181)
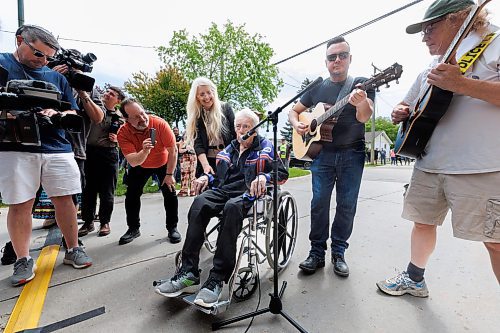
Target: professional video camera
(20, 102)
(74, 59)
(115, 123)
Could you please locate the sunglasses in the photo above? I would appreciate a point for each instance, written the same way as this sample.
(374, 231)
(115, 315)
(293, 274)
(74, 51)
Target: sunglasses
(38, 53)
(341, 55)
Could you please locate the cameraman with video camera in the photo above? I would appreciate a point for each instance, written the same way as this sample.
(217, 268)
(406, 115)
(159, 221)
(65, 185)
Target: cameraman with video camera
(71, 64)
(51, 164)
(101, 166)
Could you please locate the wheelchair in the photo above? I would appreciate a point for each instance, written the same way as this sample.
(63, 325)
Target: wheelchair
(252, 252)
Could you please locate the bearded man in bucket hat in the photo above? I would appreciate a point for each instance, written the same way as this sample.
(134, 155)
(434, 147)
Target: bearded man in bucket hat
(443, 179)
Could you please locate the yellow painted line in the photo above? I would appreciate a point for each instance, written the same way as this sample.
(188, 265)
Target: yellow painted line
(28, 308)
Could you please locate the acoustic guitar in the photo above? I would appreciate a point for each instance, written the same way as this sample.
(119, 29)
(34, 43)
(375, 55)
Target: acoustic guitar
(322, 120)
(415, 132)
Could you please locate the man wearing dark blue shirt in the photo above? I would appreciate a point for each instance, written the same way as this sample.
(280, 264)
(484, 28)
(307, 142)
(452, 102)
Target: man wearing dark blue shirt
(51, 164)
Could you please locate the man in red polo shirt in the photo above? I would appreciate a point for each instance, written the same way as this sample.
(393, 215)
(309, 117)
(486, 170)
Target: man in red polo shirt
(147, 158)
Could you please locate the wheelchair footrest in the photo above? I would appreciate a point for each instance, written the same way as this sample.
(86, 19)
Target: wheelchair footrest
(219, 307)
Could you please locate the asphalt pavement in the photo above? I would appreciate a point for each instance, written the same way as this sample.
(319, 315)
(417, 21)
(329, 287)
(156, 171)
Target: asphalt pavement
(464, 294)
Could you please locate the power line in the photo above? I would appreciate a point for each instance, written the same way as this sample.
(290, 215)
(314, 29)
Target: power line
(352, 30)
(94, 42)
(291, 85)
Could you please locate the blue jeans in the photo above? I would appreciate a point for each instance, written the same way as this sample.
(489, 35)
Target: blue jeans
(344, 168)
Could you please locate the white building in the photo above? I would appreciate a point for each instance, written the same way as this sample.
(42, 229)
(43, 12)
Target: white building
(382, 141)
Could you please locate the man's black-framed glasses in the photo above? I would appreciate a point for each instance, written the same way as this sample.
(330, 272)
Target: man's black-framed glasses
(38, 53)
(341, 56)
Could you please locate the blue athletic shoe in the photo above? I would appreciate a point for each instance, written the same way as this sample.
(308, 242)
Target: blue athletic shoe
(402, 284)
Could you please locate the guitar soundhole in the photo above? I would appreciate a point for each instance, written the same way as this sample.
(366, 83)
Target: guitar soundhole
(313, 126)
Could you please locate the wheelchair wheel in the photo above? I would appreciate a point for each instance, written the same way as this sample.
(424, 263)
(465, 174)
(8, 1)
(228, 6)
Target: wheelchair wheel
(245, 284)
(287, 231)
(211, 233)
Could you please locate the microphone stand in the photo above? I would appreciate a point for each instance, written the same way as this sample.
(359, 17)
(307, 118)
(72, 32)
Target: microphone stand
(275, 304)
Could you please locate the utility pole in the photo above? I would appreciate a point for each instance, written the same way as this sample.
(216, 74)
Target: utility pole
(372, 148)
(20, 12)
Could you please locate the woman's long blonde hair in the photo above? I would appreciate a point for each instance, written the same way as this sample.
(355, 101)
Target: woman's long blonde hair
(194, 112)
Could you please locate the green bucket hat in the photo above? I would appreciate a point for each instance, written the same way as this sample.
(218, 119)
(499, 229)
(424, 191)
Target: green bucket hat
(438, 9)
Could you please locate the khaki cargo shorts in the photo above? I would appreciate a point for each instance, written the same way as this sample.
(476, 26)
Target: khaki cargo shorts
(474, 201)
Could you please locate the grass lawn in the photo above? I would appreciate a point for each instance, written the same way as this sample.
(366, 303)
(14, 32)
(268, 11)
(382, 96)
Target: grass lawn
(297, 172)
(148, 188)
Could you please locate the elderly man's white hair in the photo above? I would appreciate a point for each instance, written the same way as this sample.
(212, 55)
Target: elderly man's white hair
(247, 113)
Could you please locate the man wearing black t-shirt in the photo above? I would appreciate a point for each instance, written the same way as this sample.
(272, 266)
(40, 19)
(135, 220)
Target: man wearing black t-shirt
(339, 162)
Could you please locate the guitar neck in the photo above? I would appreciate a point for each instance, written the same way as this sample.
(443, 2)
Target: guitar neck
(462, 33)
(334, 110)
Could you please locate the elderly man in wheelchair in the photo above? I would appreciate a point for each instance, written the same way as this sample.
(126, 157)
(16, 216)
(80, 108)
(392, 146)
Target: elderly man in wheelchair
(243, 170)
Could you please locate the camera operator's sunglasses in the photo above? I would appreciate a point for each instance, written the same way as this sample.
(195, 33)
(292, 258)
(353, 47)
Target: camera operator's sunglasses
(38, 53)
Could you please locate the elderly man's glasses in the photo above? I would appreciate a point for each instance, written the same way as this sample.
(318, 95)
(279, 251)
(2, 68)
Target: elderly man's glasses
(38, 53)
(429, 29)
(341, 56)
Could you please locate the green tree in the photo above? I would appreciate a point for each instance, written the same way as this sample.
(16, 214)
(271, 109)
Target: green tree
(238, 63)
(383, 124)
(286, 132)
(165, 94)
(304, 84)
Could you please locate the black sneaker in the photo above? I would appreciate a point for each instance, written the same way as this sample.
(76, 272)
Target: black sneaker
(339, 265)
(129, 236)
(174, 236)
(9, 256)
(311, 264)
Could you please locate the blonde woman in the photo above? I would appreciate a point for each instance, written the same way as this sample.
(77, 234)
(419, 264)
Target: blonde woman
(210, 123)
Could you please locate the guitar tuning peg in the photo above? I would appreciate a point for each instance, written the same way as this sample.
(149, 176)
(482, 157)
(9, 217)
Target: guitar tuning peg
(377, 89)
(397, 81)
(387, 85)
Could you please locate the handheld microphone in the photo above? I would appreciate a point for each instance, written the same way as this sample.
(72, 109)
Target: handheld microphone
(152, 135)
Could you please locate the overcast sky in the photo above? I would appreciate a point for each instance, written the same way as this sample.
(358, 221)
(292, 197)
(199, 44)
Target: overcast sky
(288, 26)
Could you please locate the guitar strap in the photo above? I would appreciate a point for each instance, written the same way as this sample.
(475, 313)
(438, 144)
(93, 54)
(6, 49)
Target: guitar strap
(346, 88)
(470, 57)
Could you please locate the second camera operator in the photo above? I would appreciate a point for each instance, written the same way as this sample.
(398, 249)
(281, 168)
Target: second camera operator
(51, 164)
(101, 166)
(90, 109)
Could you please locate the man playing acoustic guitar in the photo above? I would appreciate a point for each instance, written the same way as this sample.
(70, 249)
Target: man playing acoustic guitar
(460, 167)
(340, 161)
